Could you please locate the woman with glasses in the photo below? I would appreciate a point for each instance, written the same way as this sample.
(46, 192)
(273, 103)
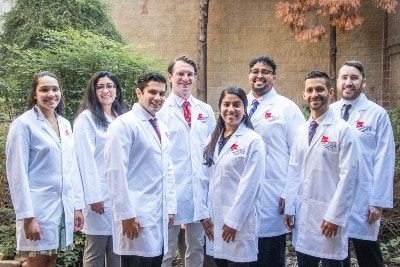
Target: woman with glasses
(43, 175)
(102, 103)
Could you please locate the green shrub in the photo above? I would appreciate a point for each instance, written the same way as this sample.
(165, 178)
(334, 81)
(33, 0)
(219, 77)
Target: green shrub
(7, 232)
(73, 56)
(73, 257)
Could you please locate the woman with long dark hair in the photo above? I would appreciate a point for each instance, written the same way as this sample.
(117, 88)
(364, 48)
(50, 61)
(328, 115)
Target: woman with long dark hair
(102, 103)
(234, 165)
(43, 175)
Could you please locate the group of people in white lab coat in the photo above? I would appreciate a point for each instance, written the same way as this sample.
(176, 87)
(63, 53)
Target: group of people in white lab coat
(132, 180)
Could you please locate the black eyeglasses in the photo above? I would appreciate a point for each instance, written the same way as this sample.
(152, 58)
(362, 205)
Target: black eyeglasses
(263, 72)
(109, 87)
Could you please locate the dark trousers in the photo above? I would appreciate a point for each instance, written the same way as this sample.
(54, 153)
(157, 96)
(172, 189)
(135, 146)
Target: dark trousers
(139, 261)
(368, 253)
(271, 251)
(305, 260)
(226, 263)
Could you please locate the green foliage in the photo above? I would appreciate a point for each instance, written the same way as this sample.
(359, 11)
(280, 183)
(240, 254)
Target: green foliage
(306, 111)
(73, 257)
(390, 249)
(29, 19)
(7, 232)
(394, 115)
(73, 56)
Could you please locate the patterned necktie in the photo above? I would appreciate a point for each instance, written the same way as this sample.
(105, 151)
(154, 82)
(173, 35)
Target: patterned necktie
(153, 123)
(186, 113)
(345, 111)
(311, 131)
(253, 108)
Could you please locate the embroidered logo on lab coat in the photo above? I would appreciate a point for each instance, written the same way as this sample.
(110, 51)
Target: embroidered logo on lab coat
(167, 134)
(236, 150)
(67, 133)
(363, 128)
(270, 117)
(329, 145)
(202, 118)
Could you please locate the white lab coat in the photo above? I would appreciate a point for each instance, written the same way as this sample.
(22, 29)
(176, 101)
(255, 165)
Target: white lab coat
(89, 147)
(139, 172)
(188, 145)
(276, 120)
(230, 190)
(43, 177)
(320, 186)
(375, 188)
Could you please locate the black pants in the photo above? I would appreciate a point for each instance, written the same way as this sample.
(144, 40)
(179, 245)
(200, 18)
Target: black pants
(271, 251)
(368, 253)
(226, 263)
(139, 261)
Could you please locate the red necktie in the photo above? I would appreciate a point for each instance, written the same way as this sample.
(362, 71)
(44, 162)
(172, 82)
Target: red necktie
(186, 113)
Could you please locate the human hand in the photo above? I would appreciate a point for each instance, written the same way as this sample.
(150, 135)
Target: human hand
(78, 220)
(228, 233)
(281, 205)
(130, 228)
(208, 228)
(171, 219)
(288, 220)
(32, 229)
(374, 213)
(97, 207)
(329, 229)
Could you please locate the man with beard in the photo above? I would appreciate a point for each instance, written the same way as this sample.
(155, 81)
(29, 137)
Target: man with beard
(276, 119)
(322, 174)
(375, 188)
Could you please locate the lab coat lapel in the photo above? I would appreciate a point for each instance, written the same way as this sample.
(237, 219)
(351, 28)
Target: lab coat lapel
(327, 120)
(47, 127)
(179, 113)
(229, 143)
(146, 123)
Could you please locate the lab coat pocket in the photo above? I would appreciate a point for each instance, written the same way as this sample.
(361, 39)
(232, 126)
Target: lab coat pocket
(367, 138)
(148, 209)
(363, 194)
(315, 215)
(248, 229)
(49, 235)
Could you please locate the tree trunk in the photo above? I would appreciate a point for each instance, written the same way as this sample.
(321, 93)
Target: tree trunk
(202, 51)
(386, 64)
(332, 58)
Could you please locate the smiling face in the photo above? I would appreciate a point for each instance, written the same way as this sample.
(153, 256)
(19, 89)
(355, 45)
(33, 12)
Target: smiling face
(105, 92)
(350, 82)
(152, 97)
(261, 79)
(232, 111)
(317, 95)
(47, 94)
(182, 79)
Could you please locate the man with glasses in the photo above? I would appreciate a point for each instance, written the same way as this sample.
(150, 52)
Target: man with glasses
(375, 188)
(276, 119)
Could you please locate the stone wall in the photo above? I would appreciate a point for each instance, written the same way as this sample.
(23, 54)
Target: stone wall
(239, 30)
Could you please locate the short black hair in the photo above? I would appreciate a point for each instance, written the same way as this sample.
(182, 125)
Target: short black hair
(319, 74)
(145, 78)
(265, 61)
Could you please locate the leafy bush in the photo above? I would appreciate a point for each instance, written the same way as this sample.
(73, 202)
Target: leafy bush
(73, 56)
(7, 232)
(73, 257)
